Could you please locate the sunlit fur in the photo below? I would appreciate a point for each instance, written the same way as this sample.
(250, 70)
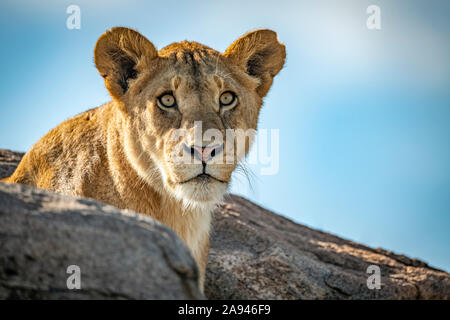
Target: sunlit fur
(120, 152)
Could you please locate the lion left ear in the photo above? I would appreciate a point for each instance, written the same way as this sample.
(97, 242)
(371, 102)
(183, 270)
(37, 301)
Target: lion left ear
(260, 54)
(119, 55)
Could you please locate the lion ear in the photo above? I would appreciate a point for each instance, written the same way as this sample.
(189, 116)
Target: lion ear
(119, 55)
(260, 54)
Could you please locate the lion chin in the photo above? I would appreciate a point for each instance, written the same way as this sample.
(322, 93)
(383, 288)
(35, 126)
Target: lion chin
(200, 192)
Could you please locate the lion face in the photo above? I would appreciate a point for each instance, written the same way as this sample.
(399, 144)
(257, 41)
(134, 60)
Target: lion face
(187, 111)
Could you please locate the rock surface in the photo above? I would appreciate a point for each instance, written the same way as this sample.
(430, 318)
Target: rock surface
(121, 255)
(255, 254)
(8, 162)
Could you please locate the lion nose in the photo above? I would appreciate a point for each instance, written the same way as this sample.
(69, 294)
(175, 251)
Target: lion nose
(205, 153)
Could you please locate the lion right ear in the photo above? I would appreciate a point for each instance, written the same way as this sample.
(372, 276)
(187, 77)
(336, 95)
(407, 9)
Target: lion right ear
(260, 55)
(119, 55)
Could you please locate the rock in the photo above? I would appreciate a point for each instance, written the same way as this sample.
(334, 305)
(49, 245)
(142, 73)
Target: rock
(8, 162)
(121, 254)
(257, 254)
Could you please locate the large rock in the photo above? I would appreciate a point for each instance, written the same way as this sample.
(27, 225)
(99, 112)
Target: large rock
(8, 162)
(257, 254)
(121, 254)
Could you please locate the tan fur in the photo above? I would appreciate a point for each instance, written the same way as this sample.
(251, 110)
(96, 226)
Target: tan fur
(119, 153)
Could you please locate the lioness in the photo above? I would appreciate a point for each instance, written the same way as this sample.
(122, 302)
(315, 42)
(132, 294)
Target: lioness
(121, 153)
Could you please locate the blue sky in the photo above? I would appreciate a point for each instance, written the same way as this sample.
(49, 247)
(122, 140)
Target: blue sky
(363, 114)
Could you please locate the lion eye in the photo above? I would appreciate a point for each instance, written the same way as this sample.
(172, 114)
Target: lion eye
(167, 100)
(227, 99)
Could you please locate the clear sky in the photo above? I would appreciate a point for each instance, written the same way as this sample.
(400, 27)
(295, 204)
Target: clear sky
(364, 115)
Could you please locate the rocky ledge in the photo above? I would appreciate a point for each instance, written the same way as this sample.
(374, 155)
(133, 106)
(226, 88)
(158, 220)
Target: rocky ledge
(255, 254)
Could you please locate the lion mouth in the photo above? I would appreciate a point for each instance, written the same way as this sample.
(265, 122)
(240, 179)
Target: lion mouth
(203, 177)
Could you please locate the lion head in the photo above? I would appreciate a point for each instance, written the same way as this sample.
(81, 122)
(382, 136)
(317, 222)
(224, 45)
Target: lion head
(181, 107)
